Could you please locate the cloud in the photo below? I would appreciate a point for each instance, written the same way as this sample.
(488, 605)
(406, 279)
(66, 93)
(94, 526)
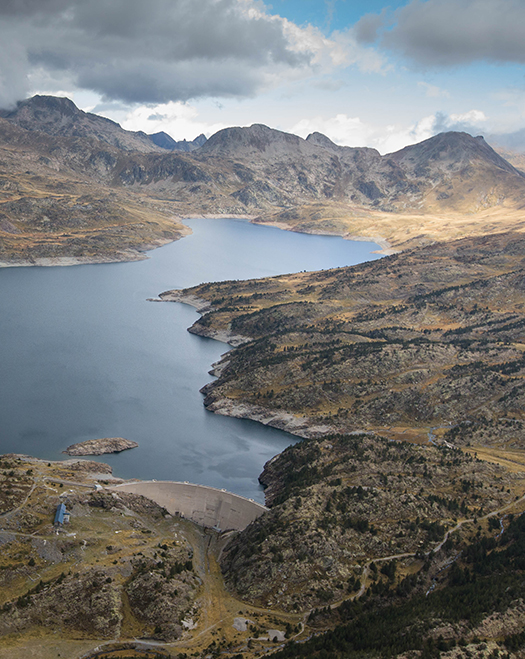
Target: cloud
(146, 52)
(367, 27)
(161, 50)
(432, 91)
(352, 131)
(341, 129)
(180, 120)
(451, 32)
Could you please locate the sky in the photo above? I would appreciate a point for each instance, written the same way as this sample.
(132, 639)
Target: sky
(363, 72)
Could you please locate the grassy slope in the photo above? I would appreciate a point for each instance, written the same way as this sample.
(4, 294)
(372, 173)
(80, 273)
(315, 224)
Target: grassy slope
(430, 337)
(344, 501)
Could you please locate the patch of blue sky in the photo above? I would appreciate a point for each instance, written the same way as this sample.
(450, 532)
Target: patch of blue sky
(329, 15)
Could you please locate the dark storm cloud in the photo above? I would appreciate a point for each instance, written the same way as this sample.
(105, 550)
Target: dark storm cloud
(450, 32)
(147, 52)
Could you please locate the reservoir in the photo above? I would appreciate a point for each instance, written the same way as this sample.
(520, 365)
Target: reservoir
(84, 355)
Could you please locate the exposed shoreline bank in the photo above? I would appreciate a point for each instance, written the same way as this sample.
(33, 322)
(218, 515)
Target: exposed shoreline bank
(122, 256)
(300, 426)
(74, 260)
(140, 253)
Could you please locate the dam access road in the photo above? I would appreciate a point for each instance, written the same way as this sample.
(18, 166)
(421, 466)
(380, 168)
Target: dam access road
(206, 506)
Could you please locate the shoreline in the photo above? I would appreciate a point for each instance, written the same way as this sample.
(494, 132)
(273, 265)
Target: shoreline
(64, 261)
(140, 253)
(128, 255)
(299, 426)
(219, 216)
(386, 247)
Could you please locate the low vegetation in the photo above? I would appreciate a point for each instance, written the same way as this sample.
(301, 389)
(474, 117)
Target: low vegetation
(343, 502)
(118, 565)
(480, 595)
(429, 338)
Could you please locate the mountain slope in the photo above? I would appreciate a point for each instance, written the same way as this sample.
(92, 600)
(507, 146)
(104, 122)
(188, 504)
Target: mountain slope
(55, 202)
(60, 117)
(449, 186)
(451, 172)
(432, 337)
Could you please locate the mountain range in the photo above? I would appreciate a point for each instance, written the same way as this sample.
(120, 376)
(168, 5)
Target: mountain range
(59, 116)
(76, 184)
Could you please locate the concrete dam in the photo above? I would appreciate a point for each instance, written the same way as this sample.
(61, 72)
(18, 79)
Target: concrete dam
(203, 505)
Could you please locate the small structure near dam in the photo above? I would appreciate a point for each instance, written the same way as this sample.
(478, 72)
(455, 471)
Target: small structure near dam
(203, 505)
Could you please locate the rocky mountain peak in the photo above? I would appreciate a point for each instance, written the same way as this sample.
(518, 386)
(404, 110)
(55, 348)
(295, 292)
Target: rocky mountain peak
(321, 140)
(60, 117)
(49, 104)
(451, 150)
(48, 114)
(258, 139)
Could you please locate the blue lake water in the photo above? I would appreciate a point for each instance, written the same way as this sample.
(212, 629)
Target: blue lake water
(83, 355)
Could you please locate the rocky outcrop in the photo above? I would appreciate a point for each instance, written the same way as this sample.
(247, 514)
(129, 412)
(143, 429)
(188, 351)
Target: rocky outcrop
(100, 446)
(61, 117)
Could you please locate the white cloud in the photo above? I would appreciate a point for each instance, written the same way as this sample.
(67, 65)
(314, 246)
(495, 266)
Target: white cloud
(164, 50)
(179, 120)
(475, 117)
(353, 131)
(341, 129)
(432, 91)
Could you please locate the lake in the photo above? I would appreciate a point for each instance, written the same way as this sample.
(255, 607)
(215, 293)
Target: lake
(83, 355)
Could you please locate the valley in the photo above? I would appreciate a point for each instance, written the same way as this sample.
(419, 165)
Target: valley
(154, 580)
(395, 526)
(78, 186)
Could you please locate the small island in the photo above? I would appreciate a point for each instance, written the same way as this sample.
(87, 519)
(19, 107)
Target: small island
(100, 446)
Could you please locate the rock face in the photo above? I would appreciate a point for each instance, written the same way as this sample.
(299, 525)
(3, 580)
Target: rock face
(61, 117)
(100, 446)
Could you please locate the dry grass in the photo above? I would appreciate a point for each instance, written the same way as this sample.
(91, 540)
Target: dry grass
(215, 608)
(399, 230)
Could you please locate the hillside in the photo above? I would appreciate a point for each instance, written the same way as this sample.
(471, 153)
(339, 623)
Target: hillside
(60, 117)
(125, 579)
(78, 185)
(475, 610)
(341, 503)
(55, 202)
(120, 575)
(429, 338)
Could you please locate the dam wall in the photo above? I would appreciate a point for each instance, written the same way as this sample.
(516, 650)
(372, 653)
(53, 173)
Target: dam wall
(203, 505)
